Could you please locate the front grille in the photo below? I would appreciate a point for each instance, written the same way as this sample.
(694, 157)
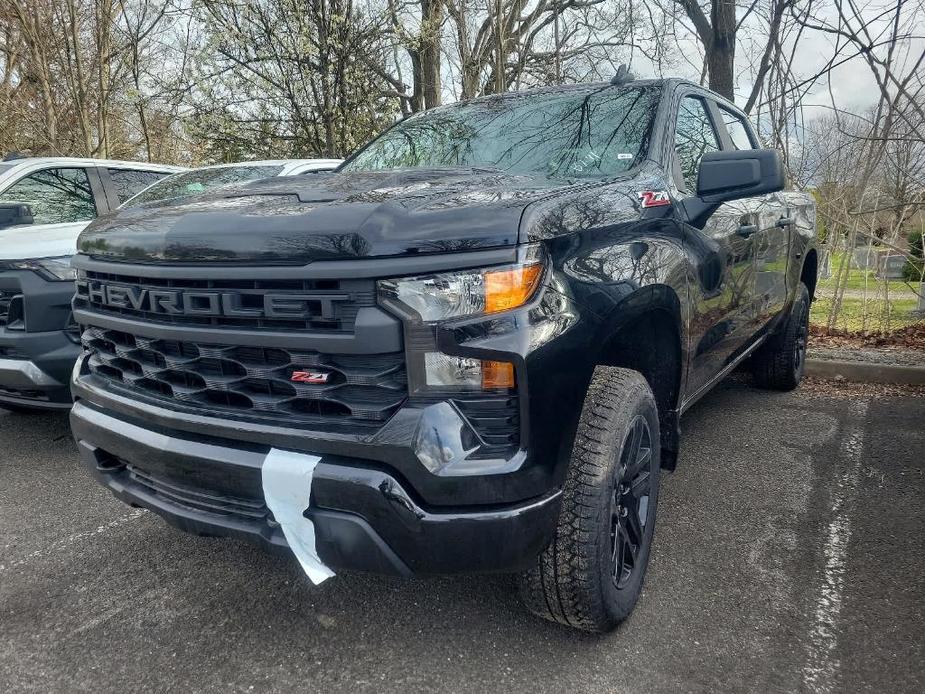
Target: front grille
(6, 301)
(329, 305)
(251, 382)
(204, 500)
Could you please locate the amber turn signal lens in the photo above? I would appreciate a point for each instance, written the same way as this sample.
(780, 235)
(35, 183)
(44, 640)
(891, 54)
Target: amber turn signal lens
(507, 289)
(497, 374)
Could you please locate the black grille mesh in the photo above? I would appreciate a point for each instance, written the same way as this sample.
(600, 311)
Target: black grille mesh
(255, 381)
(496, 419)
(207, 500)
(6, 299)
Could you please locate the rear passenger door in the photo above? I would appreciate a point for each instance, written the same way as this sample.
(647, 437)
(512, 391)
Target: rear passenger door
(771, 241)
(722, 291)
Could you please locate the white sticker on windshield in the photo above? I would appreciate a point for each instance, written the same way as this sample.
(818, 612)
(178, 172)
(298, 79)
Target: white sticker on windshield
(287, 489)
(624, 155)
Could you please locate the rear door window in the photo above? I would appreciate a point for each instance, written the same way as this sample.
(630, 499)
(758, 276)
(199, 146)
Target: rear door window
(57, 196)
(737, 129)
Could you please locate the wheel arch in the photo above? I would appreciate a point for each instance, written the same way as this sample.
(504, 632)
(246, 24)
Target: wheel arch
(645, 334)
(809, 273)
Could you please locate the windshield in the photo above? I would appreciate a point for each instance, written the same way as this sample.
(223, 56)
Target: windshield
(566, 135)
(188, 183)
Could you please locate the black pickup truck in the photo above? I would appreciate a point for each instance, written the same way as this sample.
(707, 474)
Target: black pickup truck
(472, 343)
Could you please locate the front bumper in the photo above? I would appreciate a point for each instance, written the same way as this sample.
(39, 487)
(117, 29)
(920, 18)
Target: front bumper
(37, 354)
(35, 368)
(365, 519)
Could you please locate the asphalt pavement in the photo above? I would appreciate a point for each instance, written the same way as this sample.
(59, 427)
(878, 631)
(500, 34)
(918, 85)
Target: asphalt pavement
(789, 556)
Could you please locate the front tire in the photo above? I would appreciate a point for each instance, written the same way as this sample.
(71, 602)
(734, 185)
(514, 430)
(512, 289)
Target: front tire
(779, 364)
(590, 575)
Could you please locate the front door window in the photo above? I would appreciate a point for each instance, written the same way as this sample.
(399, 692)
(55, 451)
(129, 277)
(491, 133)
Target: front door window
(56, 196)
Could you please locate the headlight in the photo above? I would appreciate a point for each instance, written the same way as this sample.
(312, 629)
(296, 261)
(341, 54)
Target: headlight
(451, 295)
(445, 371)
(425, 300)
(50, 268)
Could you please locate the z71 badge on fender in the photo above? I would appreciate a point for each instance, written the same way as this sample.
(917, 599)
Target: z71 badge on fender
(654, 198)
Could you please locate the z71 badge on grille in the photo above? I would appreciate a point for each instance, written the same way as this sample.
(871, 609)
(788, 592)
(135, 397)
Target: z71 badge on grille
(310, 376)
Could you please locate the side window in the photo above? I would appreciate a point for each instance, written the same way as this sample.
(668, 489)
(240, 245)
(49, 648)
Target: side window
(128, 182)
(694, 136)
(56, 196)
(738, 131)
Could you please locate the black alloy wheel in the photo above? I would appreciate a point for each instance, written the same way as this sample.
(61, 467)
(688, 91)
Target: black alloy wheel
(630, 501)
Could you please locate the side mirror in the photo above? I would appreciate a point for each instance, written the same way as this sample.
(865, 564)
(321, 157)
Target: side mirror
(725, 176)
(15, 214)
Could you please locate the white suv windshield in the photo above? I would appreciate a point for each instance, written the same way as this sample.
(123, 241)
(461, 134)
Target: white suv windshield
(188, 183)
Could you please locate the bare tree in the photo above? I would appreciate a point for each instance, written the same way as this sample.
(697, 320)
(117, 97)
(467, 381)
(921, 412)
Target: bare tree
(74, 70)
(288, 77)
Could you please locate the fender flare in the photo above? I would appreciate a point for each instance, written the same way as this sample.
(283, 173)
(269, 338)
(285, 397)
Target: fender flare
(662, 299)
(655, 297)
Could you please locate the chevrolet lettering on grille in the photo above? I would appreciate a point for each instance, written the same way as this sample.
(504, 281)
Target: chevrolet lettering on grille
(195, 302)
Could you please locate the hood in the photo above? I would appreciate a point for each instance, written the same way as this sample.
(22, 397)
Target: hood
(324, 217)
(39, 240)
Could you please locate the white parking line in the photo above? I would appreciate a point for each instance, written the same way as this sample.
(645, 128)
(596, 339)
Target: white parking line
(822, 666)
(66, 542)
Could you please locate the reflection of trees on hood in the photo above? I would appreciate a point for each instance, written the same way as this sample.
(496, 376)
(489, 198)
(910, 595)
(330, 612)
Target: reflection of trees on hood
(309, 245)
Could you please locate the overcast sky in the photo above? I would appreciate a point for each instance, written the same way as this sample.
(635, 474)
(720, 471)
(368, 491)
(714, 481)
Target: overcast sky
(853, 86)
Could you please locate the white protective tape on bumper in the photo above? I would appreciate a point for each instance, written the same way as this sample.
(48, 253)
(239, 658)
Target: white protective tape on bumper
(287, 488)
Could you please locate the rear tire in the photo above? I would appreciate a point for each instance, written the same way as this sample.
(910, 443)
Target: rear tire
(779, 364)
(590, 575)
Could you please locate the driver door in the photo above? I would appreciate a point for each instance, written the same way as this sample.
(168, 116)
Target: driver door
(722, 271)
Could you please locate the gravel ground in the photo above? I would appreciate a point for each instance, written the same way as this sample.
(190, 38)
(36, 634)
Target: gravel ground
(789, 556)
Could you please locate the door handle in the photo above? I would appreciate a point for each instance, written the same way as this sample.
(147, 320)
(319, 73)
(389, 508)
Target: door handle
(784, 222)
(747, 230)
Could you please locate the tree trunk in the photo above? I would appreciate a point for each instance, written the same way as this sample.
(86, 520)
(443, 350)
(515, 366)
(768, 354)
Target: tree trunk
(432, 21)
(104, 18)
(722, 47)
(417, 77)
(470, 80)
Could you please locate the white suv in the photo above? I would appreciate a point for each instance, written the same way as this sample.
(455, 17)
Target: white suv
(39, 341)
(65, 195)
(44, 205)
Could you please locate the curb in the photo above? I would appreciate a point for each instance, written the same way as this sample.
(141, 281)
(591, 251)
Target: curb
(866, 372)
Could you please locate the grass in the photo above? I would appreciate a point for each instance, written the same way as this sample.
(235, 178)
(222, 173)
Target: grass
(858, 314)
(859, 279)
(871, 315)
